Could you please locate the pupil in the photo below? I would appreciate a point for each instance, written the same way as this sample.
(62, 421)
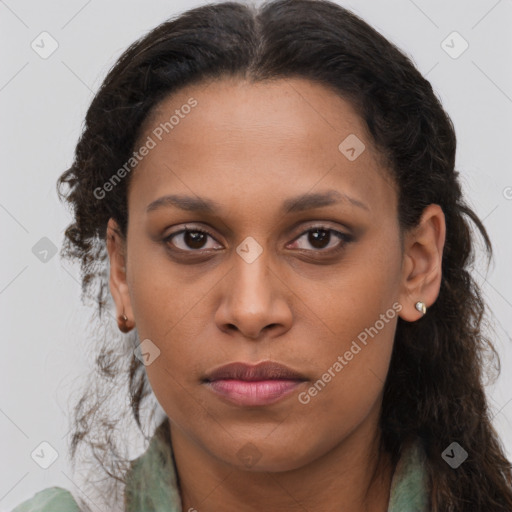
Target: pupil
(194, 239)
(317, 237)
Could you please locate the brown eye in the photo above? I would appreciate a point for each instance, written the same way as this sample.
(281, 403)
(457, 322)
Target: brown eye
(321, 238)
(189, 240)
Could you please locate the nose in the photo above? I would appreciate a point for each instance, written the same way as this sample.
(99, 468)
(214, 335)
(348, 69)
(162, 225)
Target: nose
(255, 300)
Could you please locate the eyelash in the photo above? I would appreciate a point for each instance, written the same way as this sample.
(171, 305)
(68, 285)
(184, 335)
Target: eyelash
(343, 237)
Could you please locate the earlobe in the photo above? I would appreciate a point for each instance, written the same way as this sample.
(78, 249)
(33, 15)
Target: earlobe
(422, 269)
(118, 285)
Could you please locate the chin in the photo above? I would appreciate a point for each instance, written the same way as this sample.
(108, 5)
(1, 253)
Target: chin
(260, 456)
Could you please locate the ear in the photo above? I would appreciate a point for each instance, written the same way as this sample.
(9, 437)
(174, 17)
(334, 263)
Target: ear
(422, 262)
(116, 247)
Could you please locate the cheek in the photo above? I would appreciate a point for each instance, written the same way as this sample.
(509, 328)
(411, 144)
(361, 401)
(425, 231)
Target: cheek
(174, 374)
(158, 297)
(356, 293)
(358, 312)
(351, 376)
(171, 319)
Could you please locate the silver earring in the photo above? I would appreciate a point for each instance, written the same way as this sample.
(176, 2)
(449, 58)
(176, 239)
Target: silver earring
(125, 318)
(420, 306)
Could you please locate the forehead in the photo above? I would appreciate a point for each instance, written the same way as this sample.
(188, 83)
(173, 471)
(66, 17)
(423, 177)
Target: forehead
(280, 110)
(264, 138)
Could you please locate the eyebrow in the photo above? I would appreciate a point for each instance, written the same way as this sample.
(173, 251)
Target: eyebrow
(307, 201)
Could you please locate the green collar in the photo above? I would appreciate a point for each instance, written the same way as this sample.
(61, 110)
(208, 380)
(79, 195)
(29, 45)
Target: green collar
(152, 484)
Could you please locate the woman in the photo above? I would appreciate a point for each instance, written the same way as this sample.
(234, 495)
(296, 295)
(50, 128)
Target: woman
(274, 193)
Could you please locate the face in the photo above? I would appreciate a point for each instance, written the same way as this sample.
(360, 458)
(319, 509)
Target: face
(298, 261)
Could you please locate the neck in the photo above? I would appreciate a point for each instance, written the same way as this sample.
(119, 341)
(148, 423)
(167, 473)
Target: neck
(351, 476)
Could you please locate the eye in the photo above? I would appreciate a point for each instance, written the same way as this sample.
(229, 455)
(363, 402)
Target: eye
(189, 238)
(321, 239)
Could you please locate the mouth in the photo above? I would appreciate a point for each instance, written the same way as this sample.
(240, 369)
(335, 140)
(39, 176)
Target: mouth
(253, 385)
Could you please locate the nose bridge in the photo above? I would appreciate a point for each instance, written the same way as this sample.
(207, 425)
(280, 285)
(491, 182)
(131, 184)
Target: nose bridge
(251, 271)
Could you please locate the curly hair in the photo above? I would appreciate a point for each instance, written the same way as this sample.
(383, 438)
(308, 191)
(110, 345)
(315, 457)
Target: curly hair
(435, 385)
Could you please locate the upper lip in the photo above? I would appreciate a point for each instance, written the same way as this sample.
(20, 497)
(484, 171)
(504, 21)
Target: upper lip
(267, 370)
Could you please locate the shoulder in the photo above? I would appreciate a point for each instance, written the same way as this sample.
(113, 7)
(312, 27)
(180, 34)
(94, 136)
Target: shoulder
(52, 499)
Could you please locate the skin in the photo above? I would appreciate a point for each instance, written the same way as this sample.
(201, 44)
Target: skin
(249, 147)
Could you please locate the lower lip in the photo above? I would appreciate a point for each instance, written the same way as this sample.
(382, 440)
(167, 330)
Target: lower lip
(261, 392)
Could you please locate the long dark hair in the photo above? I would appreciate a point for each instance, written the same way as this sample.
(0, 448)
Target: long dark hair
(435, 389)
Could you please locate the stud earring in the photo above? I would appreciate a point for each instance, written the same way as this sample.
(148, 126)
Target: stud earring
(420, 306)
(122, 319)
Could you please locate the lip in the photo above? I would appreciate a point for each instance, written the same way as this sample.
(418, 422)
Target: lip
(253, 385)
(266, 370)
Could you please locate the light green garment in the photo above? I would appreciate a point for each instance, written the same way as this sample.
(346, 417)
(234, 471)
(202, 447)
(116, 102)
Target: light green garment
(54, 499)
(152, 484)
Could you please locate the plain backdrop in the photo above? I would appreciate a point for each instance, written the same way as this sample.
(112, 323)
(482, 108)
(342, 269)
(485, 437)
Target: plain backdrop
(43, 104)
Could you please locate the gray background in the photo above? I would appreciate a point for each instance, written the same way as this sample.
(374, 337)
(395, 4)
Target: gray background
(43, 103)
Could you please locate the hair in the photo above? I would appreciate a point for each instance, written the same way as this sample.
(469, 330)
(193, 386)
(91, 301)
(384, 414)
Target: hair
(434, 390)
